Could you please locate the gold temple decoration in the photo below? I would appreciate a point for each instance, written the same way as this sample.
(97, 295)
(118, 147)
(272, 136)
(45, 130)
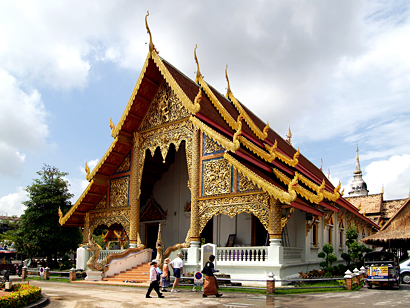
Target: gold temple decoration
(221, 140)
(193, 108)
(340, 217)
(349, 221)
(284, 220)
(210, 146)
(257, 204)
(102, 160)
(284, 197)
(314, 186)
(119, 192)
(289, 135)
(62, 220)
(217, 177)
(272, 154)
(217, 104)
(262, 135)
(112, 126)
(328, 219)
(87, 170)
(151, 45)
(301, 190)
(360, 206)
(165, 108)
(198, 71)
(310, 225)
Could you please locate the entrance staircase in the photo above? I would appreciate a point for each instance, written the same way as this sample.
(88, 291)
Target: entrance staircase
(139, 274)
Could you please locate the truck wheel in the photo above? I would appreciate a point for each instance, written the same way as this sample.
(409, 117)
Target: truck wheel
(406, 278)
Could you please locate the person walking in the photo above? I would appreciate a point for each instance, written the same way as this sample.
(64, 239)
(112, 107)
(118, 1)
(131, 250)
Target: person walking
(177, 265)
(210, 284)
(166, 282)
(154, 277)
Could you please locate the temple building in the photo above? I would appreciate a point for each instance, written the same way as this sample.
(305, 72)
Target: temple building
(202, 168)
(372, 206)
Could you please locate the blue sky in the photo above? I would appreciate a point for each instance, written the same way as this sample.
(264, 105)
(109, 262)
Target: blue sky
(339, 70)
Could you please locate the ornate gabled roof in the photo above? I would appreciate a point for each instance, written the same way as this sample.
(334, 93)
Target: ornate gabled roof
(153, 211)
(252, 147)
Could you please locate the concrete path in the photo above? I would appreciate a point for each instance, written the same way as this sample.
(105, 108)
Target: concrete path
(81, 295)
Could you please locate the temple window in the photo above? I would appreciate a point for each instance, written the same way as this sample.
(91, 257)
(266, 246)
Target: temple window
(314, 235)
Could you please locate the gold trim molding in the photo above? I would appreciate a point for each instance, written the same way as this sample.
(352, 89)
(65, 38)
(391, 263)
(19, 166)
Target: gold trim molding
(284, 197)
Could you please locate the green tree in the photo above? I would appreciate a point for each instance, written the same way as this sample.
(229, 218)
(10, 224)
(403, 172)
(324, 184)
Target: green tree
(39, 231)
(328, 256)
(356, 251)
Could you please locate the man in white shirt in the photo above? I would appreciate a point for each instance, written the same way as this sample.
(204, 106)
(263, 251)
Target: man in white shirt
(177, 265)
(153, 276)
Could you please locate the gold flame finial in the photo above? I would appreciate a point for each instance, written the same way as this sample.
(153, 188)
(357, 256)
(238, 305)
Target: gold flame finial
(151, 45)
(321, 164)
(289, 135)
(198, 71)
(87, 169)
(228, 90)
(382, 189)
(357, 151)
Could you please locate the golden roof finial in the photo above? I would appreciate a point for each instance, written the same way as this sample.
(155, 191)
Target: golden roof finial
(151, 45)
(87, 169)
(228, 90)
(198, 72)
(382, 189)
(112, 126)
(321, 164)
(357, 151)
(409, 192)
(289, 135)
(360, 206)
(328, 174)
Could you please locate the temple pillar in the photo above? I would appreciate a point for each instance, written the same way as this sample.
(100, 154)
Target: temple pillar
(135, 191)
(86, 228)
(275, 249)
(194, 186)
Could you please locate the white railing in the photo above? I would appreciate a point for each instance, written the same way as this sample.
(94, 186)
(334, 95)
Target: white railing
(104, 253)
(292, 254)
(242, 254)
(184, 252)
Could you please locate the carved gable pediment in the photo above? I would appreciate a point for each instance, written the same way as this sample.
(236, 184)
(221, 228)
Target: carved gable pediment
(165, 108)
(153, 211)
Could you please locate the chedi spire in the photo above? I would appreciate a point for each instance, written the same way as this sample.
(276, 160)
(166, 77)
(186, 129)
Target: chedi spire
(359, 186)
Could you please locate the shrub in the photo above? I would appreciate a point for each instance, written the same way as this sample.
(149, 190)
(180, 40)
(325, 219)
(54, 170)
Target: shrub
(22, 295)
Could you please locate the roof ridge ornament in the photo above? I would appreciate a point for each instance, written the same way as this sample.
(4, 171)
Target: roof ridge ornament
(87, 171)
(112, 126)
(262, 135)
(228, 90)
(289, 135)
(198, 71)
(151, 45)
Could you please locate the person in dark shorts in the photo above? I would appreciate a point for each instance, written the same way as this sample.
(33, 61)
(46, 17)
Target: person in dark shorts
(177, 264)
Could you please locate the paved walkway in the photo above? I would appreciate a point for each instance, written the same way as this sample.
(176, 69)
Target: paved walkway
(81, 295)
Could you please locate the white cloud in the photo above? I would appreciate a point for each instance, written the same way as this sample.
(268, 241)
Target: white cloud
(12, 203)
(23, 124)
(392, 173)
